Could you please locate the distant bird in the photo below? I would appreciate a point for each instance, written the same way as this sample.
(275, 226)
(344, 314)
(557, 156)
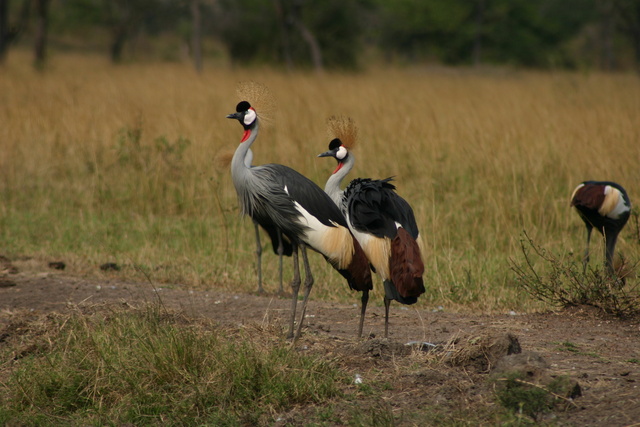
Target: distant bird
(381, 220)
(605, 206)
(276, 196)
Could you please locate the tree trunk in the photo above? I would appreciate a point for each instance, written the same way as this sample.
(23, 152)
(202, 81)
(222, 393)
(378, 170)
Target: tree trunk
(314, 46)
(42, 23)
(117, 44)
(479, 29)
(4, 30)
(607, 29)
(196, 37)
(285, 30)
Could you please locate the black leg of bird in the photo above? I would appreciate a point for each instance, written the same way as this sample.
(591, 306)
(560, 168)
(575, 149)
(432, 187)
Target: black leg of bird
(280, 254)
(258, 258)
(585, 260)
(295, 288)
(387, 303)
(363, 308)
(611, 237)
(308, 284)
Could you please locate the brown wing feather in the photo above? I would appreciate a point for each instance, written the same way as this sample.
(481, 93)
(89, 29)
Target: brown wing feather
(359, 269)
(589, 196)
(405, 265)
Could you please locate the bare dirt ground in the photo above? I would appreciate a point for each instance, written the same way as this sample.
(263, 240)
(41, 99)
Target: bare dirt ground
(600, 354)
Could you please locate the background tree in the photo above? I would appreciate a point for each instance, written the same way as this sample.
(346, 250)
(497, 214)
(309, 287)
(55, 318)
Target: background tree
(294, 33)
(10, 29)
(196, 36)
(333, 34)
(628, 17)
(42, 25)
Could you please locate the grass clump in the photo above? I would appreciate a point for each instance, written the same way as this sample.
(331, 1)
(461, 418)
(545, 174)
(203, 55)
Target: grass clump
(523, 397)
(564, 283)
(147, 367)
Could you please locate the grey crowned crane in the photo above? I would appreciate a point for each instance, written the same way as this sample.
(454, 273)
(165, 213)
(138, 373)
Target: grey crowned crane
(276, 196)
(383, 223)
(605, 206)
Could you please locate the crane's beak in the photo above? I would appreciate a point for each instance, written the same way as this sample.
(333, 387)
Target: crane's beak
(237, 116)
(330, 153)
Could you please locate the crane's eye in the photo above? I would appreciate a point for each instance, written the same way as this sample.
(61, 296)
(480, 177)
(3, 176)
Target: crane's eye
(249, 116)
(341, 153)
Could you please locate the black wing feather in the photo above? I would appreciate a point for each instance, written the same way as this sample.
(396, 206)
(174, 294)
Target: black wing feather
(309, 195)
(374, 207)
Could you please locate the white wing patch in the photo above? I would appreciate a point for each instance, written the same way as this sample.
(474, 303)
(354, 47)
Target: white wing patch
(335, 242)
(614, 204)
(377, 250)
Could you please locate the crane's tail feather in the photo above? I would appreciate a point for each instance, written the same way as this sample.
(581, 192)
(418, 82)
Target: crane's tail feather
(391, 293)
(405, 266)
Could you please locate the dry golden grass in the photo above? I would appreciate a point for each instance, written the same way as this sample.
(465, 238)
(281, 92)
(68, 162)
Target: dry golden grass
(481, 156)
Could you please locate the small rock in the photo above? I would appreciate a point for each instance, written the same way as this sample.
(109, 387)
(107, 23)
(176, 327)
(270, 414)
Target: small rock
(57, 265)
(6, 283)
(110, 266)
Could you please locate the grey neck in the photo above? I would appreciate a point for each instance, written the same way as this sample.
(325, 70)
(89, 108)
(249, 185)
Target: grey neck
(242, 158)
(332, 187)
(241, 172)
(248, 158)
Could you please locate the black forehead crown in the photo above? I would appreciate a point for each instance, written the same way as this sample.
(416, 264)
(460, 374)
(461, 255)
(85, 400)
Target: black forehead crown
(335, 143)
(242, 106)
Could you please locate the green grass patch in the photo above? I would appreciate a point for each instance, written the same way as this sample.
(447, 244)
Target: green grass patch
(515, 393)
(146, 367)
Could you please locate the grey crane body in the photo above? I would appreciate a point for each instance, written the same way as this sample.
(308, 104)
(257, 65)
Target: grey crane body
(276, 196)
(384, 224)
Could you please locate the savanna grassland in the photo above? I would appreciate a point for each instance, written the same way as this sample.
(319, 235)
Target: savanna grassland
(123, 164)
(129, 165)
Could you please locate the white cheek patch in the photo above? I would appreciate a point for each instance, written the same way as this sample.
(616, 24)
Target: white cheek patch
(342, 153)
(250, 116)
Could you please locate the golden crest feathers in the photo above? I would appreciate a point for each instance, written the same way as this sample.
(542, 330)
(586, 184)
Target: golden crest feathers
(343, 128)
(260, 98)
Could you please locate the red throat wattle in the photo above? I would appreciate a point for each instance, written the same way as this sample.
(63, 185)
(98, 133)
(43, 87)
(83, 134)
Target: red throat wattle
(246, 135)
(340, 164)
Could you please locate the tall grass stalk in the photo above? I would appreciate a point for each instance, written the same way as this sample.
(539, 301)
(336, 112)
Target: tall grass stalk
(102, 163)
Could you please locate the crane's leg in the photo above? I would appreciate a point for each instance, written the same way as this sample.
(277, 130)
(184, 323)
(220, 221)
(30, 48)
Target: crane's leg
(387, 303)
(308, 284)
(258, 257)
(585, 260)
(610, 242)
(295, 287)
(280, 255)
(363, 309)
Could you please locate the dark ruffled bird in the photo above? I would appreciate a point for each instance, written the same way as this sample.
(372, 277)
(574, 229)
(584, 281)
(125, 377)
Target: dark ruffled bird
(605, 206)
(381, 220)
